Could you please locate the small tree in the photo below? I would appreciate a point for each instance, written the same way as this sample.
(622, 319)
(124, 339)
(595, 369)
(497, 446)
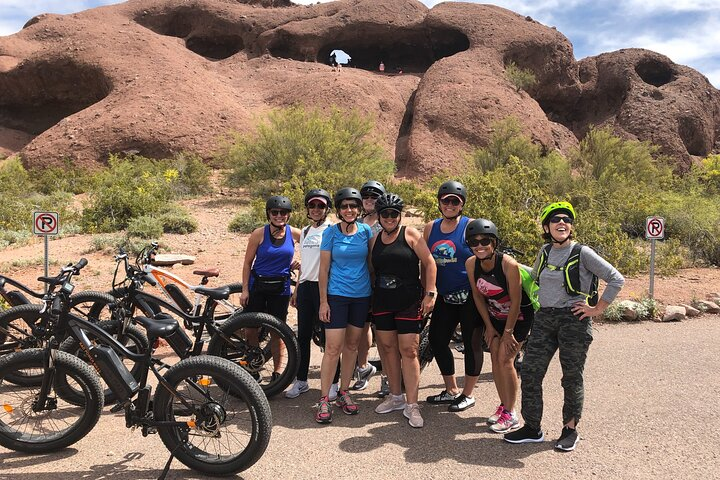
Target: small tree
(522, 78)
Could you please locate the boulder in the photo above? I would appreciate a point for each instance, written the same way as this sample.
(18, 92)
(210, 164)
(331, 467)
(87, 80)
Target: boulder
(673, 313)
(691, 311)
(708, 306)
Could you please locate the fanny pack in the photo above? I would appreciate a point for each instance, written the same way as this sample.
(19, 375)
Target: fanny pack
(269, 284)
(457, 298)
(388, 282)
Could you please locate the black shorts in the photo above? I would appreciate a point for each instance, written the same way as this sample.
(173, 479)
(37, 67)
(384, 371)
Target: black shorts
(408, 320)
(520, 332)
(275, 305)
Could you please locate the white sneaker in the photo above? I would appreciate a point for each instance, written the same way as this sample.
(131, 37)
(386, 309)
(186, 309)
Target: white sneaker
(298, 387)
(332, 395)
(493, 419)
(412, 413)
(507, 423)
(391, 403)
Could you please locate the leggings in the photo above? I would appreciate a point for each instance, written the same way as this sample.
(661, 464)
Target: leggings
(445, 319)
(308, 306)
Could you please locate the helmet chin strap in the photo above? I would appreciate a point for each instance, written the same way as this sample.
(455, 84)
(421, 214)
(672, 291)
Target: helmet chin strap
(557, 241)
(276, 227)
(317, 223)
(449, 218)
(349, 224)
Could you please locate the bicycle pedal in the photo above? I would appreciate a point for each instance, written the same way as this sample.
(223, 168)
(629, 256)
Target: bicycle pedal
(117, 407)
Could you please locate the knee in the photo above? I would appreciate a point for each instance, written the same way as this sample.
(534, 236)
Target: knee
(409, 353)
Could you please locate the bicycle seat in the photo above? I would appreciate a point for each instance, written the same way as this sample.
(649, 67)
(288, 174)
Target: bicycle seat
(208, 272)
(50, 280)
(219, 293)
(161, 326)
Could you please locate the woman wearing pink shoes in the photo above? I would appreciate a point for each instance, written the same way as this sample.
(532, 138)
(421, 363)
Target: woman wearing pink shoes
(506, 310)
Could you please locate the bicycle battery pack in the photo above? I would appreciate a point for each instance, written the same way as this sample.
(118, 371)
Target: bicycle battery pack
(180, 342)
(114, 372)
(179, 298)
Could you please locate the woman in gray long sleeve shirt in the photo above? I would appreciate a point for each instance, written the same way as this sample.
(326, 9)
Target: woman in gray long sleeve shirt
(564, 323)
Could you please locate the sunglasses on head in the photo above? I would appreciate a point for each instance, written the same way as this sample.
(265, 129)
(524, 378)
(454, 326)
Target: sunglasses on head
(558, 219)
(349, 206)
(282, 213)
(389, 213)
(316, 206)
(454, 201)
(474, 242)
(370, 196)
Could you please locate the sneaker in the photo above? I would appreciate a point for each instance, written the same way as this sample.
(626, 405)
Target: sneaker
(298, 387)
(346, 403)
(324, 412)
(384, 387)
(526, 434)
(412, 413)
(332, 394)
(442, 397)
(363, 376)
(391, 403)
(568, 440)
(506, 423)
(462, 402)
(492, 419)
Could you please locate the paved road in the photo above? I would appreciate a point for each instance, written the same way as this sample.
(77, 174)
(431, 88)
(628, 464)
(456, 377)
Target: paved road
(652, 403)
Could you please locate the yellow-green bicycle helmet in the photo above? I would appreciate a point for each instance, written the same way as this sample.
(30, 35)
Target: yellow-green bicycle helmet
(556, 207)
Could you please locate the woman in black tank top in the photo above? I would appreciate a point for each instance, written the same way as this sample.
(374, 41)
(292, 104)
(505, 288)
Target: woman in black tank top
(398, 304)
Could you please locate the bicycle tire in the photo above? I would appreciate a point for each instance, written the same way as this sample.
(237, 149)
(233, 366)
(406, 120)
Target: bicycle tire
(92, 305)
(220, 312)
(236, 413)
(19, 424)
(15, 331)
(425, 353)
(133, 337)
(258, 360)
(123, 292)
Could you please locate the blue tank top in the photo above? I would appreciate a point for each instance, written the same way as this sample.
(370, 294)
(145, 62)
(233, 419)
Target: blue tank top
(450, 252)
(274, 261)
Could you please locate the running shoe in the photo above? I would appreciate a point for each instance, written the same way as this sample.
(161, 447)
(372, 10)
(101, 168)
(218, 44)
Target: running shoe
(568, 440)
(363, 375)
(442, 397)
(461, 403)
(412, 413)
(506, 423)
(298, 387)
(346, 403)
(492, 419)
(332, 395)
(384, 387)
(391, 403)
(324, 412)
(526, 434)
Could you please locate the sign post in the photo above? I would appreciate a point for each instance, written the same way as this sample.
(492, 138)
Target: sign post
(46, 224)
(654, 230)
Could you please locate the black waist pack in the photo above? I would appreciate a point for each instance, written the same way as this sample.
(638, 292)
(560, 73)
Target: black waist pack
(388, 282)
(269, 284)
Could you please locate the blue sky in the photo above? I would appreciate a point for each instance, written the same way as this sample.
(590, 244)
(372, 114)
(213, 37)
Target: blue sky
(687, 31)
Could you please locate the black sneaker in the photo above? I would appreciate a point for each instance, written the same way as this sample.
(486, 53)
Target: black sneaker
(568, 440)
(442, 397)
(461, 403)
(526, 434)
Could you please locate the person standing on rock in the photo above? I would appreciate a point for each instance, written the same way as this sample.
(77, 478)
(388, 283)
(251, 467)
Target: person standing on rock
(344, 285)
(446, 239)
(266, 269)
(566, 273)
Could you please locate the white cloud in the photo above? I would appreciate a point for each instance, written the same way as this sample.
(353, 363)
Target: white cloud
(656, 7)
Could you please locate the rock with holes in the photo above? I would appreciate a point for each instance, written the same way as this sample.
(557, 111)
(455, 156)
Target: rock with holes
(163, 76)
(673, 313)
(690, 311)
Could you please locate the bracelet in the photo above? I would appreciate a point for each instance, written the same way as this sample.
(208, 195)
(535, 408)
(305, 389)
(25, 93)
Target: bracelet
(509, 330)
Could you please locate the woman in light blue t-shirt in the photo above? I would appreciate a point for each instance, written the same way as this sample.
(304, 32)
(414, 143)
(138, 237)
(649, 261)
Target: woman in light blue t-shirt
(344, 283)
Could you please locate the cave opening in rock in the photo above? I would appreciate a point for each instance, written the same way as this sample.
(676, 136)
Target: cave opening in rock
(38, 95)
(691, 131)
(216, 47)
(655, 72)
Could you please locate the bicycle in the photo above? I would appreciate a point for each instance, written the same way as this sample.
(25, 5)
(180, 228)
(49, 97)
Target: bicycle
(229, 337)
(209, 412)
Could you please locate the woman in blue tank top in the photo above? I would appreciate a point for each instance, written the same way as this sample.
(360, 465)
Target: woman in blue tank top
(446, 239)
(266, 269)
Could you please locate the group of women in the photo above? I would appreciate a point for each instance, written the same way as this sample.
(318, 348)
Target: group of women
(368, 268)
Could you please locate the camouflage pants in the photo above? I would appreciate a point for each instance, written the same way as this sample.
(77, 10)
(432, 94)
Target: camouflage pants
(552, 330)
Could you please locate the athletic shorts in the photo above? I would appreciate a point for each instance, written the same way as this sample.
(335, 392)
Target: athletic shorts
(408, 320)
(520, 332)
(346, 311)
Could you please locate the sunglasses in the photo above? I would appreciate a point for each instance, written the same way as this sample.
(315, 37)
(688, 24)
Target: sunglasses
(454, 201)
(316, 206)
(474, 242)
(279, 213)
(349, 206)
(389, 214)
(557, 219)
(370, 197)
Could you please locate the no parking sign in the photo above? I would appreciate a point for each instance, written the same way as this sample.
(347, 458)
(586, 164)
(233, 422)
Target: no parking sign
(654, 228)
(46, 224)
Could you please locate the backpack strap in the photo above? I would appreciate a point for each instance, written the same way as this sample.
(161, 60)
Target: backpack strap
(544, 253)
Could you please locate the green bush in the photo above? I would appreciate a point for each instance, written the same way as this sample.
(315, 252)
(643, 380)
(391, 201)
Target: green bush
(66, 178)
(147, 227)
(299, 149)
(522, 78)
(176, 219)
(244, 222)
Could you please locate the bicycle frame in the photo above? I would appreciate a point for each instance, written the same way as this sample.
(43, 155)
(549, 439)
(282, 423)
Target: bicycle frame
(12, 298)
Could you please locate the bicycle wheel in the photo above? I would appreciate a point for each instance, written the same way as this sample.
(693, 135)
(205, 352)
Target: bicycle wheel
(227, 417)
(148, 309)
(61, 423)
(425, 354)
(134, 340)
(224, 309)
(16, 333)
(262, 345)
(92, 306)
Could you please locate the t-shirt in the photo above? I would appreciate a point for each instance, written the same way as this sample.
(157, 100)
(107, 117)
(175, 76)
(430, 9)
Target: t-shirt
(310, 251)
(349, 274)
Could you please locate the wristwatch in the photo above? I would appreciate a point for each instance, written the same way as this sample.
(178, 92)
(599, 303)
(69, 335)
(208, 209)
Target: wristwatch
(431, 294)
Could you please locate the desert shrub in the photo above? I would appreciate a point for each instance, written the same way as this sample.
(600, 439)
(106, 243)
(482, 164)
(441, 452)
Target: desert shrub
(709, 173)
(11, 237)
(176, 219)
(146, 226)
(105, 242)
(522, 78)
(645, 309)
(66, 178)
(298, 149)
(244, 222)
(193, 175)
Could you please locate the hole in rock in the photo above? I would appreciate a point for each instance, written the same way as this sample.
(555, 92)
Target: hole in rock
(215, 48)
(655, 72)
(691, 134)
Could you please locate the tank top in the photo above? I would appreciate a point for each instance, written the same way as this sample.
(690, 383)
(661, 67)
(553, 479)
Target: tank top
(450, 252)
(274, 260)
(395, 264)
(493, 286)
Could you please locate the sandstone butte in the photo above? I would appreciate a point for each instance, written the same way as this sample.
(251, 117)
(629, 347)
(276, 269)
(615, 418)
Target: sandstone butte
(164, 76)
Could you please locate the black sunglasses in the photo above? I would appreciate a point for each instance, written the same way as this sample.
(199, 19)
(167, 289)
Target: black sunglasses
(454, 201)
(316, 206)
(474, 242)
(557, 219)
(349, 206)
(276, 213)
(370, 196)
(389, 213)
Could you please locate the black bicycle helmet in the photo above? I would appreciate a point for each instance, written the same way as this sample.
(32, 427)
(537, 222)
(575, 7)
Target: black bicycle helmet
(279, 202)
(389, 201)
(347, 193)
(452, 187)
(481, 226)
(318, 193)
(372, 186)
